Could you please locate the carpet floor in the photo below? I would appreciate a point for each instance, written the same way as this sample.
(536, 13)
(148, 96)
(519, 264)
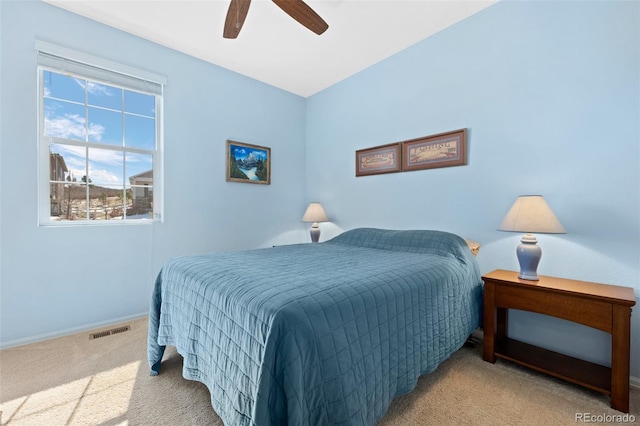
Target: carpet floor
(74, 380)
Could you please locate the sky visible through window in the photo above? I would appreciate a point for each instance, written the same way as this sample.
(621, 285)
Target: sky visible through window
(82, 110)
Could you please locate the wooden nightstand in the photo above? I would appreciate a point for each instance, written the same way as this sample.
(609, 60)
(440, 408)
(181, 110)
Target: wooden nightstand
(601, 306)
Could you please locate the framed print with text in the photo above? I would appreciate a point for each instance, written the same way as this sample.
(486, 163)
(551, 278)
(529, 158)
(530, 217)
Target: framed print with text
(441, 150)
(379, 159)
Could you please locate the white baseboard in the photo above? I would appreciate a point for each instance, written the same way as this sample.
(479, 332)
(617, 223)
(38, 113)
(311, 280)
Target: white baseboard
(68, 331)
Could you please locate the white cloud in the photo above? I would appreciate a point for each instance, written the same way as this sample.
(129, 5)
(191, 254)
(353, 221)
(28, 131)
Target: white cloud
(105, 166)
(73, 153)
(98, 89)
(104, 177)
(138, 158)
(71, 126)
(105, 157)
(95, 132)
(76, 173)
(94, 88)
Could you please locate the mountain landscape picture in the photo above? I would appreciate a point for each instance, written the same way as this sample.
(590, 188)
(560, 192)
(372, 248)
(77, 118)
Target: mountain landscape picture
(248, 163)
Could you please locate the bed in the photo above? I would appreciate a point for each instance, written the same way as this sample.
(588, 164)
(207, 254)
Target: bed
(317, 334)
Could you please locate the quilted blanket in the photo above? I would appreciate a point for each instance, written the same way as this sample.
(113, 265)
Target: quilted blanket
(316, 334)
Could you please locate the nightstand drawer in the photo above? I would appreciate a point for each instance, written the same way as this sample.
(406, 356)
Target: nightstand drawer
(593, 313)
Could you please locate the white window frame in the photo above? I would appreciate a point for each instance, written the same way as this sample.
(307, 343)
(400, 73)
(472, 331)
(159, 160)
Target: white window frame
(66, 61)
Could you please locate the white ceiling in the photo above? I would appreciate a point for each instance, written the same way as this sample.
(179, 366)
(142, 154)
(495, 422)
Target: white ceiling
(274, 48)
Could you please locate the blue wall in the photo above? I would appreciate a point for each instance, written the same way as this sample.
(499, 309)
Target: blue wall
(56, 280)
(550, 93)
(548, 90)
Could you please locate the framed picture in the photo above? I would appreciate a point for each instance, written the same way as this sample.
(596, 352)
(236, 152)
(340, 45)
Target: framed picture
(441, 150)
(248, 163)
(379, 159)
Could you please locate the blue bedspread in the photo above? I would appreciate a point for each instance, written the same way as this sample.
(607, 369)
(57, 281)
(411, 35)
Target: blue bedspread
(317, 334)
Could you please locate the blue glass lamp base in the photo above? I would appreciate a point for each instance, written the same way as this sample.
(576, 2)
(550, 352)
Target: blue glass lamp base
(529, 254)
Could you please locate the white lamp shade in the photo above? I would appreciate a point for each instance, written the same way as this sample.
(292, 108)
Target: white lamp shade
(315, 213)
(531, 213)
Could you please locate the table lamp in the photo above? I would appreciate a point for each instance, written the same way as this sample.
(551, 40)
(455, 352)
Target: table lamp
(530, 213)
(315, 213)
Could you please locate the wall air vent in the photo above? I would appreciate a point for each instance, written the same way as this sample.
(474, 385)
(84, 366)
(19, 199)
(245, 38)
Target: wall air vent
(109, 332)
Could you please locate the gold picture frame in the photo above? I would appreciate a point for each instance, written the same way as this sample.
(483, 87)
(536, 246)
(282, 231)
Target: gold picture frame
(247, 163)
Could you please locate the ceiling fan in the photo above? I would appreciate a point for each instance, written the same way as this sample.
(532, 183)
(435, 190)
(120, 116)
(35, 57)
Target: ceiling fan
(297, 9)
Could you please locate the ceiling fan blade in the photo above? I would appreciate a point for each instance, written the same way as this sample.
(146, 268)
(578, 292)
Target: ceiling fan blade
(302, 13)
(235, 17)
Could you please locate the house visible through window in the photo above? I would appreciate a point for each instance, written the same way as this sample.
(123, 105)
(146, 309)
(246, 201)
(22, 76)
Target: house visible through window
(99, 144)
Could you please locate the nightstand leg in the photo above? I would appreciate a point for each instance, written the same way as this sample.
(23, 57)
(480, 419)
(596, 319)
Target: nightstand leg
(488, 348)
(620, 347)
(503, 324)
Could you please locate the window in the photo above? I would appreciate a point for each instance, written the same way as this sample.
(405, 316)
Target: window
(99, 141)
